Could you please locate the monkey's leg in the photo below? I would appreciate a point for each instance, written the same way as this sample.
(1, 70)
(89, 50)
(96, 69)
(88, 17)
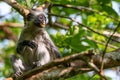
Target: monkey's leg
(25, 43)
(18, 65)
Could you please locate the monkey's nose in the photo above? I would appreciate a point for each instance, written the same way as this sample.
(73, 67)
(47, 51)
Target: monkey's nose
(43, 22)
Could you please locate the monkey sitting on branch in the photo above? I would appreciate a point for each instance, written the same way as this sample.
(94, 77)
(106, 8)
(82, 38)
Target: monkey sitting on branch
(34, 46)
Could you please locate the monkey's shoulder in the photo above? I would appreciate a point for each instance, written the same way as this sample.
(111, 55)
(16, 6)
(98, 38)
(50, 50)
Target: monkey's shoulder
(30, 34)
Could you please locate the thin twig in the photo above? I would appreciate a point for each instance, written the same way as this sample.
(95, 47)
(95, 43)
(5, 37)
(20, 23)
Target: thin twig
(92, 65)
(92, 76)
(56, 24)
(97, 42)
(103, 54)
(82, 8)
(49, 16)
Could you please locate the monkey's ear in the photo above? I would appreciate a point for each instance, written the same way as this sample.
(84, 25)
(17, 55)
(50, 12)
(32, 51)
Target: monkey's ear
(43, 6)
(29, 16)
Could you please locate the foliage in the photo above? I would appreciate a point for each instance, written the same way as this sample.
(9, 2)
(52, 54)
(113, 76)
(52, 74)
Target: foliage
(97, 15)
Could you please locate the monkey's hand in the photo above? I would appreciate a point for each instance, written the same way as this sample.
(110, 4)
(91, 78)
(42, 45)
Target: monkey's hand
(18, 74)
(24, 43)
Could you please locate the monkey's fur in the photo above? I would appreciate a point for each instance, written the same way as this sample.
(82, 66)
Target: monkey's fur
(34, 45)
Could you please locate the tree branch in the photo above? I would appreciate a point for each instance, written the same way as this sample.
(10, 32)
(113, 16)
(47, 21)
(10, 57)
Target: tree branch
(108, 33)
(22, 10)
(8, 33)
(7, 24)
(54, 70)
(56, 24)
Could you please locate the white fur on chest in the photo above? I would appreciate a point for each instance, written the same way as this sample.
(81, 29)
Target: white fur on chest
(41, 55)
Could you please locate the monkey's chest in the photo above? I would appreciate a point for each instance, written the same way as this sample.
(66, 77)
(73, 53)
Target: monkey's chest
(39, 55)
(36, 50)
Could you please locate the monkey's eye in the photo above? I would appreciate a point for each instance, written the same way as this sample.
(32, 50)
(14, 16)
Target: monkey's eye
(42, 18)
(29, 16)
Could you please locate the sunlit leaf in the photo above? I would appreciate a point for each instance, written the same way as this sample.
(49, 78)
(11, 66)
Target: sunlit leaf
(110, 10)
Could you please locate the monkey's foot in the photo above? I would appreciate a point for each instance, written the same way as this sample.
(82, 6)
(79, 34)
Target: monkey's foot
(18, 74)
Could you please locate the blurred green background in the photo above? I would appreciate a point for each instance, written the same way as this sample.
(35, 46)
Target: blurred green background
(99, 17)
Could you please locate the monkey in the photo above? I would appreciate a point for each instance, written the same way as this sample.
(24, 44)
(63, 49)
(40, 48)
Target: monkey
(34, 44)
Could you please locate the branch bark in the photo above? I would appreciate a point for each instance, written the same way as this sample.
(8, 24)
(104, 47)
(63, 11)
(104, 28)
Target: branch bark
(21, 9)
(7, 24)
(55, 70)
(59, 25)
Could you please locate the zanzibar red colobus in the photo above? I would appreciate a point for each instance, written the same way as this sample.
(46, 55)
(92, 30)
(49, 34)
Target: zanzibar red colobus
(34, 46)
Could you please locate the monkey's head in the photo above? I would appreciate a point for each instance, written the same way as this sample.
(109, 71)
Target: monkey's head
(37, 18)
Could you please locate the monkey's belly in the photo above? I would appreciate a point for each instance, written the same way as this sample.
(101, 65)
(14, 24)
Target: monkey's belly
(36, 57)
(28, 55)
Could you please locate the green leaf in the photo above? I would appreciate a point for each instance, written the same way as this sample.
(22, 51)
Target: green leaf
(109, 10)
(103, 1)
(91, 43)
(117, 0)
(28, 3)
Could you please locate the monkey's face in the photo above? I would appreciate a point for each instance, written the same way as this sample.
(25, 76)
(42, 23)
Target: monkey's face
(37, 18)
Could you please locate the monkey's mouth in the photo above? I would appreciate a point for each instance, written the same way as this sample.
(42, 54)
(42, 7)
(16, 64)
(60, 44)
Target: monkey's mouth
(42, 24)
(39, 23)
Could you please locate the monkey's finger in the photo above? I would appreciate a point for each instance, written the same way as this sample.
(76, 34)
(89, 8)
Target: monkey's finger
(18, 73)
(32, 44)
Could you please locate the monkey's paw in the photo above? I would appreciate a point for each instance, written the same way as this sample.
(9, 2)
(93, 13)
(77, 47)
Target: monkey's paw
(18, 74)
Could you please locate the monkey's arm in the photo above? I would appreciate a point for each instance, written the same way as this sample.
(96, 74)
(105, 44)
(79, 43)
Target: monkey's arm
(51, 47)
(21, 45)
(56, 52)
